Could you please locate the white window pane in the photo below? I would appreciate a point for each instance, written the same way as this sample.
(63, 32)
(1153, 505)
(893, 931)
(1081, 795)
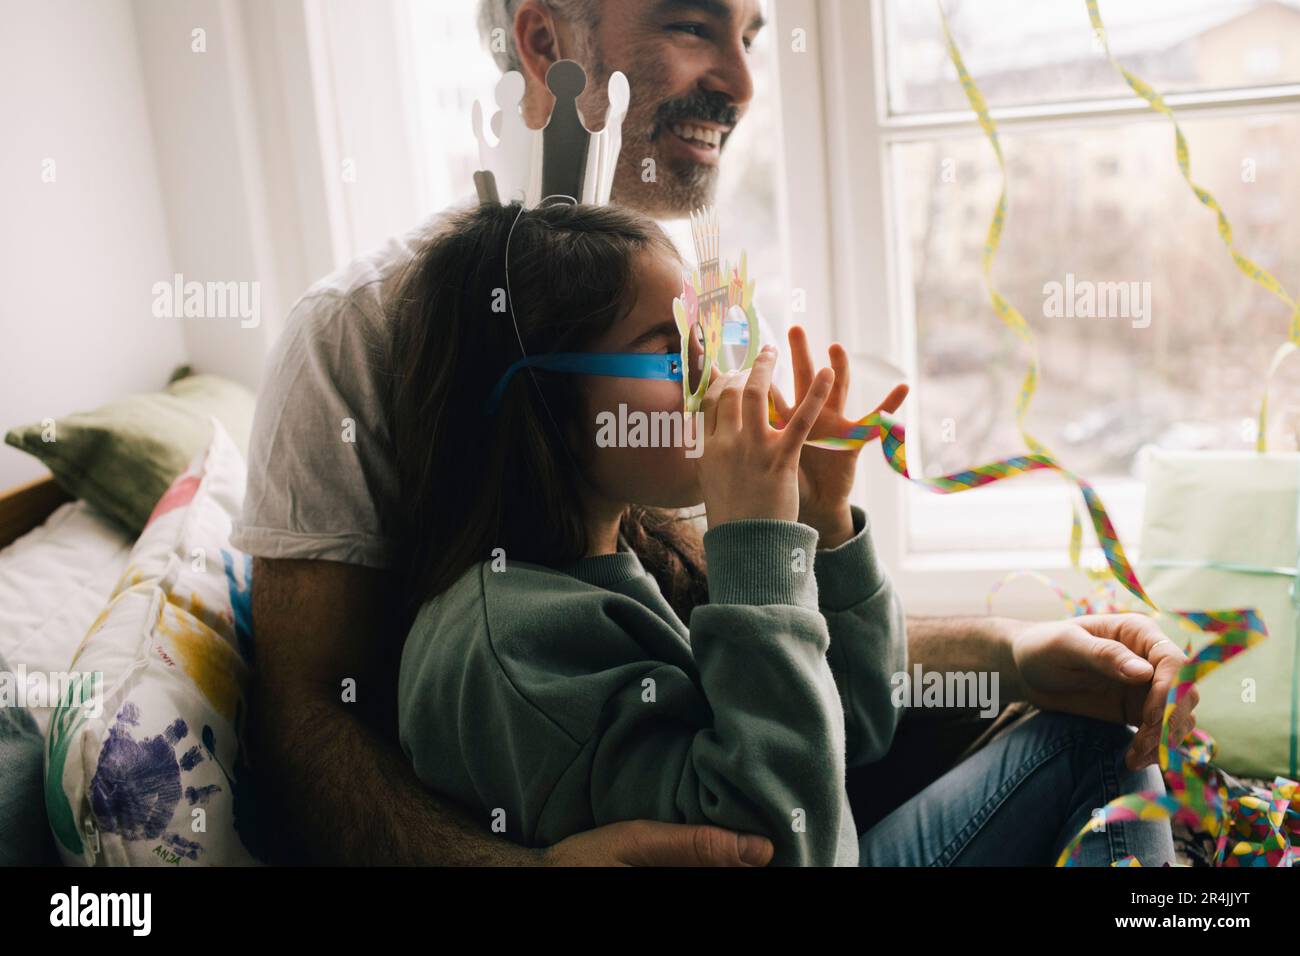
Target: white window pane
(1093, 206)
(1021, 53)
(451, 70)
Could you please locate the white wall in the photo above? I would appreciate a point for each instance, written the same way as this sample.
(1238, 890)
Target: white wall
(174, 153)
(79, 255)
(205, 116)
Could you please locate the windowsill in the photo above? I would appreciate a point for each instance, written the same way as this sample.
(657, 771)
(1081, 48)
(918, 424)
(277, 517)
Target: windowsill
(1005, 560)
(963, 546)
(1022, 521)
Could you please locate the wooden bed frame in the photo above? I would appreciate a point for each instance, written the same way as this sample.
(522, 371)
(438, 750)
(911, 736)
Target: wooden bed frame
(24, 507)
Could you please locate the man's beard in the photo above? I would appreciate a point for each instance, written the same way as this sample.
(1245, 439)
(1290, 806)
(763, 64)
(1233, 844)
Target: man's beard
(670, 187)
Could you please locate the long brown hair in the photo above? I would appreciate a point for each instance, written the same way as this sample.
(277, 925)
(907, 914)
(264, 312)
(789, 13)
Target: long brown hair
(470, 484)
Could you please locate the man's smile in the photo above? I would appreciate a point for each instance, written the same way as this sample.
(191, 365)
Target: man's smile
(698, 140)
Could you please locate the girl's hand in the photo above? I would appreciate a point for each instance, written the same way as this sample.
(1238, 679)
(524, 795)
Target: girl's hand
(826, 475)
(748, 469)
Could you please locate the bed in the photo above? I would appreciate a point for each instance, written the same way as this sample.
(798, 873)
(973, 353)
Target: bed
(127, 645)
(59, 562)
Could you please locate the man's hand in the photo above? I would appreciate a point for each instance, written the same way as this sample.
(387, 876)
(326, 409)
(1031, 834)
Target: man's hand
(648, 843)
(1115, 667)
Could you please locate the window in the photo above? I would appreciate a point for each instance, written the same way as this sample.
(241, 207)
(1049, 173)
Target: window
(1044, 52)
(450, 69)
(1111, 383)
(1176, 365)
(1174, 358)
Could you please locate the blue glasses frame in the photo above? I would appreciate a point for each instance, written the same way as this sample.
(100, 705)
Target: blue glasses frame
(665, 366)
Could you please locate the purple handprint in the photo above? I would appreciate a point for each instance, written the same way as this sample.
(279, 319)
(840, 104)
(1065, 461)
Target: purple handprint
(137, 784)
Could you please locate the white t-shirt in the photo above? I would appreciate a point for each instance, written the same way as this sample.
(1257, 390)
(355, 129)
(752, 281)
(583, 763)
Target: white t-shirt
(321, 474)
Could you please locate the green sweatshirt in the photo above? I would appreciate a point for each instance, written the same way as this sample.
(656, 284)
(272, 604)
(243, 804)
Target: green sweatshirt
(552, 701)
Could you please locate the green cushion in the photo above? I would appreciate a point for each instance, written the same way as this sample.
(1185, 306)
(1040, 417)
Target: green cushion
(122, 456)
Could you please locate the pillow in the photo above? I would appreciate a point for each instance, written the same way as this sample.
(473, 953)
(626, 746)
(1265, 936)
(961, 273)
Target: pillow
(143, 760)
(122, 456)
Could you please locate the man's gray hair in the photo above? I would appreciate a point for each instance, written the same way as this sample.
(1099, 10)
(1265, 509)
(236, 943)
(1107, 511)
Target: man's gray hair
(494, 15)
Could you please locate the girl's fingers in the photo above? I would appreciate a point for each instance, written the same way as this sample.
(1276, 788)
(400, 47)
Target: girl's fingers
(800, 361)
(840, 364)
(709, 403)
(756, 388)
(805, 416)
(729, 403)
(893, 399)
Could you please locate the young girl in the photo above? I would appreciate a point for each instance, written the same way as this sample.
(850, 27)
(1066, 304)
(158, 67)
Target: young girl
(571, 663)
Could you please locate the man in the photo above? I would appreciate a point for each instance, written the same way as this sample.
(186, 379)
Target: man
(319, 522)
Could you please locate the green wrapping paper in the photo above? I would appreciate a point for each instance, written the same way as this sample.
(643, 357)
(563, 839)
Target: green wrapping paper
(1222, 529)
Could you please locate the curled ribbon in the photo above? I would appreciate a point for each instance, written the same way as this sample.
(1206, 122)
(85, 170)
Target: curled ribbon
(1011, 316)
(1103, 600)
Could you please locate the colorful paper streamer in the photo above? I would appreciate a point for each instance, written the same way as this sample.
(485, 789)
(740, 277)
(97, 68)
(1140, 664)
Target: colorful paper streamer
(1103, 599)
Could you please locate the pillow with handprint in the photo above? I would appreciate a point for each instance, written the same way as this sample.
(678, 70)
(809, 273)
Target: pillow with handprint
(144, 762)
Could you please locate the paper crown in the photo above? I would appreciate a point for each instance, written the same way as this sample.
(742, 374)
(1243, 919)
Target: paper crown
(562, 162)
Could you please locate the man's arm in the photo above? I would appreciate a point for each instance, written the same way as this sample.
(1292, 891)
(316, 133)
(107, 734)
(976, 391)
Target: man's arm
(1116, 667)
(344, 786)
(952, 644)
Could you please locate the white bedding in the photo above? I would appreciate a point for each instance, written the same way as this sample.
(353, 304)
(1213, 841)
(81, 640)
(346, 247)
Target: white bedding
(54, 581)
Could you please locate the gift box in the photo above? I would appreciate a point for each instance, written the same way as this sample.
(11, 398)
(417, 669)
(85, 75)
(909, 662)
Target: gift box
(1222, 530)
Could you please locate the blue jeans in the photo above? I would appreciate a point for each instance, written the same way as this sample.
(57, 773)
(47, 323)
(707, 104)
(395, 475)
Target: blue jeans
(25, 838)
(1021, 799)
